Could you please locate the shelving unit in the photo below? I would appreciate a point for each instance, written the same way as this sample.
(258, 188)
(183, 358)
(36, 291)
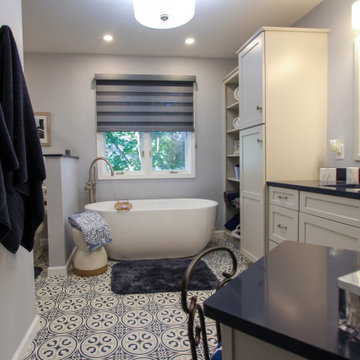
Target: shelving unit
(231, 111)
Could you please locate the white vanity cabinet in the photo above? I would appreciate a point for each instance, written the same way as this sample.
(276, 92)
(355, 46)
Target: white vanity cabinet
(283, 119)
(329, 220)
(313, 218)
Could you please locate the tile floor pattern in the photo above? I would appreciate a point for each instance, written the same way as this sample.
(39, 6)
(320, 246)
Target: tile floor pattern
(82, 319)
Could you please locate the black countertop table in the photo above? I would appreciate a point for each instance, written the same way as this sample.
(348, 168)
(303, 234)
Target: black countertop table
(290, 299)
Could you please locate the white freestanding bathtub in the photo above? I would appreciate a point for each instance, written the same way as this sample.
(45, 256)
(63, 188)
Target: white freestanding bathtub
(158, 228)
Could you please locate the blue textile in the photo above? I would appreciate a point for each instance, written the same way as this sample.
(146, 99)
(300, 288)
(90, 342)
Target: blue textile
(94, 228)
(217, 355)
(22, 169)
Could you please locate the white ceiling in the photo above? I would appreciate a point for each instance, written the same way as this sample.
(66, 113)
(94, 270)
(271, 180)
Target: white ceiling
(219, 27)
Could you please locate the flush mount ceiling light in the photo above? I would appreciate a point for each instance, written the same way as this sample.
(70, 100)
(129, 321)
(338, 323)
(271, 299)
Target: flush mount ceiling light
(355, 15)
(164, 14)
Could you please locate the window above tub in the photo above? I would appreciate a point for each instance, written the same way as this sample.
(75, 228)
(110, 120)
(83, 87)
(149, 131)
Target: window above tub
(146, 126)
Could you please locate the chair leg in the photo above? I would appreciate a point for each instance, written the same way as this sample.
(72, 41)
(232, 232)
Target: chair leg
(194, 309)
(200, 331)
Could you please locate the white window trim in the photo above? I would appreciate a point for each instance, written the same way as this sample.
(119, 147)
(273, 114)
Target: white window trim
(147, 172)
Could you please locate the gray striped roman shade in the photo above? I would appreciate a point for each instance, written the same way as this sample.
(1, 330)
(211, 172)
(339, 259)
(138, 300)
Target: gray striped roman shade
(144, 102)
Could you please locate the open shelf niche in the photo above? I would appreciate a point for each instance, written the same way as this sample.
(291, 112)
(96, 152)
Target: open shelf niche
(232, 150)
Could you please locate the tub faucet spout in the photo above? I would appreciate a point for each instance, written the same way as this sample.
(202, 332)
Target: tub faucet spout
(91, 183)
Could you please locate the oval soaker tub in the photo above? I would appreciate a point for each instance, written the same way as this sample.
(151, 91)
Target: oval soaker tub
(158, 228)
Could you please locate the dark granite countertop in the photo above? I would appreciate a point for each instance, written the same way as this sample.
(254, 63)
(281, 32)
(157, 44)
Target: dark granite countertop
(61, 155)
(290, 299)
(335, 188)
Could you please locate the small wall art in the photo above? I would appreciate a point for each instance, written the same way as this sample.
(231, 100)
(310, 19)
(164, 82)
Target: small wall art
(42, 120)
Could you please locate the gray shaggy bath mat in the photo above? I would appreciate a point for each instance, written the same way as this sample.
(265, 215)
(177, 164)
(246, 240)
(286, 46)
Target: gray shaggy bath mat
(164, 275)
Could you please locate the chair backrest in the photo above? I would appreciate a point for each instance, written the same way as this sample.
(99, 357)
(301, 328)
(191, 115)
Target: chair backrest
(198, 332)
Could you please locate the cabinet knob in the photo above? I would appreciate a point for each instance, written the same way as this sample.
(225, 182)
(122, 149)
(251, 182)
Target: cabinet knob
(282, 227)
(259, 140)
(281, 197)
(259, 108)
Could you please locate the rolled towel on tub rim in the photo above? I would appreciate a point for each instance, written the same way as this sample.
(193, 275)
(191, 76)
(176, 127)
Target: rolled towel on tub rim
(94, 228)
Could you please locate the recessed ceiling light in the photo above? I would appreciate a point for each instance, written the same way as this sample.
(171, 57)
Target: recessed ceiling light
(108, 37)
(189, 41)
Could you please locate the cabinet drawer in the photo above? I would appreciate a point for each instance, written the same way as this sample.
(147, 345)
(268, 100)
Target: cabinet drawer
(319, 231)
(288, 198)
(283, 224)
(344, 210)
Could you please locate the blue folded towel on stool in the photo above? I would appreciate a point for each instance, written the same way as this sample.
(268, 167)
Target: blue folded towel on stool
(94, 228)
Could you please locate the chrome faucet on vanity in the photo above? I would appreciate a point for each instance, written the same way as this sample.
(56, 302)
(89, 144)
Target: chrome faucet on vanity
(91, 184)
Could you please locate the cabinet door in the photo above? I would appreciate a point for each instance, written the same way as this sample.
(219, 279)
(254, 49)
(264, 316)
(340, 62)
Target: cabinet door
(319, 231)
(252, 192)
(251, 83)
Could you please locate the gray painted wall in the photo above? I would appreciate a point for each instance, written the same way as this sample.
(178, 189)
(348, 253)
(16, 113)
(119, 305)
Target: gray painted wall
(336, 16)
(17, 294)
(63, 85)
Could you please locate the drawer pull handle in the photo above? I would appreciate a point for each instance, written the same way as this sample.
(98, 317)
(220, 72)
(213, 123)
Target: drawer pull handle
(282, 227)
(281, 197)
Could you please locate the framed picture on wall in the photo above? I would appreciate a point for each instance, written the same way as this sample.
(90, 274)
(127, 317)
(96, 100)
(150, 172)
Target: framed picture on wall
(42, 120)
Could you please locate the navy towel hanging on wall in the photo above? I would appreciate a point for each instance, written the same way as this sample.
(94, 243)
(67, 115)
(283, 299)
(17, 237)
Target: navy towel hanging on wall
(22, 169)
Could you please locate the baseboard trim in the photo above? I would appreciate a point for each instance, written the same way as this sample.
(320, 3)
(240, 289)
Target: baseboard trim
(251, 257)
(62, 270)
(20, 352)
(218, 234)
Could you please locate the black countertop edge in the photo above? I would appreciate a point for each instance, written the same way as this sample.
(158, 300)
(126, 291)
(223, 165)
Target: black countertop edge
(272, 337)
(320, 189)
(61, 155)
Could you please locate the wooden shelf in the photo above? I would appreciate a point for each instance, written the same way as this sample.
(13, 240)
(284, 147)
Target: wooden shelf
(232, 77)
(233, 179)
(233, 106)
(233, 131)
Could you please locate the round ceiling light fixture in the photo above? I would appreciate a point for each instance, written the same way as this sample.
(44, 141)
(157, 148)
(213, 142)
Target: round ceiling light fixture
(189, 41)
(164, 14)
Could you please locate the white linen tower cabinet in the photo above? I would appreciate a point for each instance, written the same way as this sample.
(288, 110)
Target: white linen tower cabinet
(283, 119)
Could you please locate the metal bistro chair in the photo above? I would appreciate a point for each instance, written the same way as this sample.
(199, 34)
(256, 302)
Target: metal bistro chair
(198, 332)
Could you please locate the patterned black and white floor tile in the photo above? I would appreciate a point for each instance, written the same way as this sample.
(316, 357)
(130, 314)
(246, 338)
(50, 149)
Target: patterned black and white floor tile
(82, 319)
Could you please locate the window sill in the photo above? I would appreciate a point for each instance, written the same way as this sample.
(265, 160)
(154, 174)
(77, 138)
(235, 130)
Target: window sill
(147, 177)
